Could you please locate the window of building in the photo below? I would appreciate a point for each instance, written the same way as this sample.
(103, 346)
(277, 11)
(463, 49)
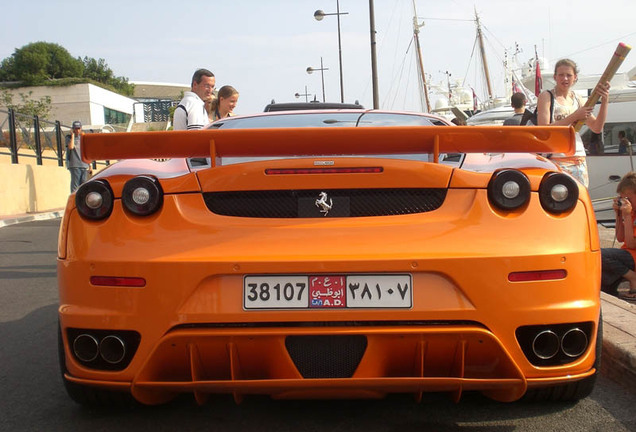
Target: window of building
(114, 117)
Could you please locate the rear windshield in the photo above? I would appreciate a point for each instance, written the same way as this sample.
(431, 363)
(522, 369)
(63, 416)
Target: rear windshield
(334, 119)
(326, 119)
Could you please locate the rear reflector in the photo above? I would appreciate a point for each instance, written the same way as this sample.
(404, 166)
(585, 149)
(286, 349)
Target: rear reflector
(361, 170)
(132, 282)
(539, 275)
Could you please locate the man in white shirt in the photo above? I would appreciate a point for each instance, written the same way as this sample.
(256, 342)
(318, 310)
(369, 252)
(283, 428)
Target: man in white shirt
(190, 113)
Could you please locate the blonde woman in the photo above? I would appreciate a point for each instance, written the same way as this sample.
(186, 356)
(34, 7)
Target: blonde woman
(567, 107)
(224, 103)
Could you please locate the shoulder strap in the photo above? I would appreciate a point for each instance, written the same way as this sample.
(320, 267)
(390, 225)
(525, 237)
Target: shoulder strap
(528, 116)
(551, 106)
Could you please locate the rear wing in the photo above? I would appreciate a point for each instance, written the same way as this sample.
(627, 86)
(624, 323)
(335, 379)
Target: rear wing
(325, 141)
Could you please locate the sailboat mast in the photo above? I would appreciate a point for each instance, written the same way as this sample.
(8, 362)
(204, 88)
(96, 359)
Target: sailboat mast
(418, 51)
(482, 50)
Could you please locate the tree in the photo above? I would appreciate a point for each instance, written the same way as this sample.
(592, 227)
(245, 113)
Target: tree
(99, 71)
(38, 62)
(6, 68)
(29, 107)
(123, 86)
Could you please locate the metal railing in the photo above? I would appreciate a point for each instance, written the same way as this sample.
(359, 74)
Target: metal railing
(26, 136)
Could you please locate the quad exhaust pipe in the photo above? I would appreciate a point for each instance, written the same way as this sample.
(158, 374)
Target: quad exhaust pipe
(574, 342)
(547, 344)
(86, 348)
(111, 348)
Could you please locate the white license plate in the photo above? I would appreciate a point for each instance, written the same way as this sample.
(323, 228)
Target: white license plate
(328, 291)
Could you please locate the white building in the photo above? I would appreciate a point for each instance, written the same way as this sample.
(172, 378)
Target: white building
(98, 108)
(88, 103)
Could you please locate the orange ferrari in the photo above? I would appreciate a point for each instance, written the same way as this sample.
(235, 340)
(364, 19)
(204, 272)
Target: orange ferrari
(329, 254)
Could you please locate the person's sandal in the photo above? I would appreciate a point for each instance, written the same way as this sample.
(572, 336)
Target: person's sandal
(629, 296)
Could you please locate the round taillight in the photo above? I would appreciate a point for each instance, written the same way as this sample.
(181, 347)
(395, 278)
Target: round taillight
(94, 200)
(558, 192)
(509, 189)
(142, 195)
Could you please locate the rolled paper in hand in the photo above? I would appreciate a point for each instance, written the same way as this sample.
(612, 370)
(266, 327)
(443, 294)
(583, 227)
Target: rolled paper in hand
(617, 59)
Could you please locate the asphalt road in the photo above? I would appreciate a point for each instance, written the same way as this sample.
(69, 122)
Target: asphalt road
(32, 397)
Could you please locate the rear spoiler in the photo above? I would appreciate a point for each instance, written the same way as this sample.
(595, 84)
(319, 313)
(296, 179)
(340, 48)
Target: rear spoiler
(328, 141)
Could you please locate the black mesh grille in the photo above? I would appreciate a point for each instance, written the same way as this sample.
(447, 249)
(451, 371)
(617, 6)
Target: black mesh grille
(326, 356)
(346, 202)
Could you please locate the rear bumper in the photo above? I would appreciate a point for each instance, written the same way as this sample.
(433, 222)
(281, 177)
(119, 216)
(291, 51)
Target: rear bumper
(416, 359)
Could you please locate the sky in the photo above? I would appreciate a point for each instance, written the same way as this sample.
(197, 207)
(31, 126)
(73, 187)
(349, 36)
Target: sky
(263, 48)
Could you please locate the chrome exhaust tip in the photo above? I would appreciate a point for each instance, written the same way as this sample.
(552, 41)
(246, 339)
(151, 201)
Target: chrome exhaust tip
(574, 342)
(112, 349)
(85, 347)
(546, 345)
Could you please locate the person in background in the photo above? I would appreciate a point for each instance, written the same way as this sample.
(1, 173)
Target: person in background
(77, 167)
(623, 143)
(518, 102)
(568, 107)
(190, 113)
(619, 264)
(224, 103)
(209, 106)
(596, 145)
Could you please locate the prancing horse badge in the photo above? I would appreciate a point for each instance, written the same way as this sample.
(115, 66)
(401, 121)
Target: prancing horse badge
(324, 203)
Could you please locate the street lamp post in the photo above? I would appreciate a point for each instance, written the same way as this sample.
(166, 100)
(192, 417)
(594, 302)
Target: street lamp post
(303, 94)
(374, 61)
(319, 15)
(322, 70)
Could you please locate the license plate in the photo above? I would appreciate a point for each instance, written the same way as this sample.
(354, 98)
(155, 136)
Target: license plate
(327, 291)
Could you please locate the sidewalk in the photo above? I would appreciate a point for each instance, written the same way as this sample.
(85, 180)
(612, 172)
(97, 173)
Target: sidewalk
(30, 217)
(619, 341)
(619, 330)
(619, 317)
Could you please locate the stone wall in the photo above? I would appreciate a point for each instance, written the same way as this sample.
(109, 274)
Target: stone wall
(28, 188)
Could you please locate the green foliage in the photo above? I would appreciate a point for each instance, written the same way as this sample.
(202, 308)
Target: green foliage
(42, 63)
(38, 62)
(27, 106)
(6, 66)
(96, 69)
(99, 71)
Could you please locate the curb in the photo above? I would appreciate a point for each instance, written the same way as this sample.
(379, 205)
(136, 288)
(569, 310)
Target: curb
(618, 361)
(12, 220)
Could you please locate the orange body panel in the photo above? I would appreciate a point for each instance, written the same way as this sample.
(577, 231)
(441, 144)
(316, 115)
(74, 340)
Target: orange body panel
(459, 334)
